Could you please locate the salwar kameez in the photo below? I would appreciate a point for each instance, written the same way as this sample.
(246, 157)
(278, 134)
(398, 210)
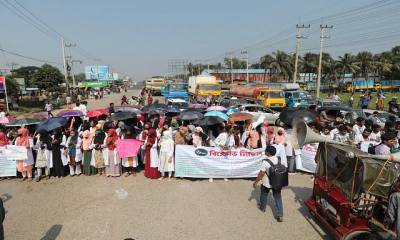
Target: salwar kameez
(112, 169)
(88, 169)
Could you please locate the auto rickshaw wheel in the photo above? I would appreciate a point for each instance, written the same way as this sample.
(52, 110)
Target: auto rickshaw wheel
(355, 235)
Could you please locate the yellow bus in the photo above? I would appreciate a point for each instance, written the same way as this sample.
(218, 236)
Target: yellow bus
(156, 85)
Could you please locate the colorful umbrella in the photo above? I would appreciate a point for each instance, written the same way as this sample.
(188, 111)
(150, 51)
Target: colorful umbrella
(24, 121)
(198, 106)
(42, 113)
(31, 115)
(292, 115)
(201, 110)
(231, 111)
(70, 113)
(123, 115)
(216, 108)
(51, 123)
(96, 113)
(241, 116)
(207, 121)
(217, 114)
(7, 119)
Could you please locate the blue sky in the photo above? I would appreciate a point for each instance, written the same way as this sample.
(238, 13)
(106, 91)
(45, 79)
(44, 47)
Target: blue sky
(137, 38)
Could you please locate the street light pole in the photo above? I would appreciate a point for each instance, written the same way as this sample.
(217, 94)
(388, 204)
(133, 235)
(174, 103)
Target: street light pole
(247, 66)
(231, 53)
(98, 78)
(198, 64)
(65, 67)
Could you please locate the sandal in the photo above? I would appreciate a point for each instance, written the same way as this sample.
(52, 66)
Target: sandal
(161, 178)
(47, 177)
(30, 179)
(127, 174)
(1, 179)
(38, 179)
(134, 174)
(23, 179)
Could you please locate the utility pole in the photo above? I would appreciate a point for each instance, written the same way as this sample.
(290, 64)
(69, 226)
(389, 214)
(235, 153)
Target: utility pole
(297, 48)
(247, 66)
(65, 67)
(72, 63)
(208, 64)
(98, 78)
(5, 88)
(231, 53)
(198, 64)
(320, 55)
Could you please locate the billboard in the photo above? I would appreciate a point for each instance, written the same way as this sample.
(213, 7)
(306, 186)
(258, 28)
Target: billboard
(95, 84)
(2, 82)
(91, 72)
(21, 82)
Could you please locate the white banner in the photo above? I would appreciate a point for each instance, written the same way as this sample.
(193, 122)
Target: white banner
(306, 161)
(213, 162)
(8, 168)
(366, 144)
(16, 152)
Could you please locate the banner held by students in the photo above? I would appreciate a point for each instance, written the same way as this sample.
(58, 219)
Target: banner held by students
(16, 152)
(213, 162)
(128, 147)
(306, 160)
(8, 168)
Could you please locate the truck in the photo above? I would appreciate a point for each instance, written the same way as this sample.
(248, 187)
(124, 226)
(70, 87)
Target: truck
(357, 86)
(175, 90)
(148, 84)
(271, 98)
(203, 85)
(291, 89)
(156, 85)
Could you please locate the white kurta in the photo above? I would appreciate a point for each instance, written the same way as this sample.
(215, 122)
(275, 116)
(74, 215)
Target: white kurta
(30, 160)
(78, 153)
(154, 155)
(167, 151)
(288, 148)
(116, 158)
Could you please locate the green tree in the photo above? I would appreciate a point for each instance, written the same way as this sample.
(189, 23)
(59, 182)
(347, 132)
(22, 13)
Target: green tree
(265, 63)
(280, 63)
(347, 63)
(80, 77)
(308, 64)
(382, 64)
(26, 73)
(48, 78)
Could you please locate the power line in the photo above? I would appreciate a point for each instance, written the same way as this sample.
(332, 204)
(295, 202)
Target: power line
(19, 55)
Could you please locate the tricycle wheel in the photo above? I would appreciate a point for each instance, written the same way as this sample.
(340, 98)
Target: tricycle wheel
(357, 235)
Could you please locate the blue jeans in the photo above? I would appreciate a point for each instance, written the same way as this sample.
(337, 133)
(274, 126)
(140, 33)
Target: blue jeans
(277, 196)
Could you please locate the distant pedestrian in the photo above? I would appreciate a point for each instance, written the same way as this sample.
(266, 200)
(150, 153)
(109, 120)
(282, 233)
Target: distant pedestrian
(365, 102)
(336, 97)
(48, 107)
(379, 103)
(351, 100)
(266, 187)
(69, 102)
(150, 99)
(111, 109)
(58, 102)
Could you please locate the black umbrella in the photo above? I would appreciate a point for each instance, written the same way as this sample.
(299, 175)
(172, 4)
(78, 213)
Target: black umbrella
(123, 115)
(292, 115)
(153, 107)
(210, 120)
(190, 116)
(201, 110)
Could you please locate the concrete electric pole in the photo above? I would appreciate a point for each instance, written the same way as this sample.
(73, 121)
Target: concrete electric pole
(208, 64)
(198, 65)
(231, 53)
(65, 67)
(247, 66)
(72, 63)
(297, 48)
(320, 56)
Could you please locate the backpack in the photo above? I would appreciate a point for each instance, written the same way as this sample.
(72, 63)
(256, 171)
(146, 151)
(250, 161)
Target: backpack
(278, 174)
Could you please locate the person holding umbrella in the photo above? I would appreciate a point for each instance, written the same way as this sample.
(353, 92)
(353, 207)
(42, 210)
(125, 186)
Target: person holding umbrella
(25, 166)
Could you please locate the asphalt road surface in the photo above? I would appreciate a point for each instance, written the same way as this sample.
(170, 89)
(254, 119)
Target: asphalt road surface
(88, 207)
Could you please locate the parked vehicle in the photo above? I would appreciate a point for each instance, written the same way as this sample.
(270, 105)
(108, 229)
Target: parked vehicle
(130, 108)
(291, 89)
(271, 116)
(179, 103)
(383, 116)
(351, 188)
(328, 102)
(270, 98)
(148, 84)
(175, 90)
(357, 86)
(203, 85)
(156, 85)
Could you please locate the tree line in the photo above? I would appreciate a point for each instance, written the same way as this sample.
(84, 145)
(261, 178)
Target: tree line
(382, 66)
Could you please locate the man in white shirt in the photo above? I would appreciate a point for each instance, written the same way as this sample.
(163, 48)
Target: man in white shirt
(83, 107)
(270, 152)
(376, 133)
(2, 113)
(373, 117)
(132, 101)
(336, 97)
(388, 140)
(224, 140)
(77, 107)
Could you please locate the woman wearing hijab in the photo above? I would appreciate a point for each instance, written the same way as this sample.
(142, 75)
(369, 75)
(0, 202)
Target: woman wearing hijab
(209, 99)
(143, 139)
(121, 128)
(151, 170)
(280, 136)
(99, 142)
(130, 163)
(180, 136)
(197, 139)
(44, 156)
(150, 99)
(174, 125)
(253, 141)
(25, 166)
(166, 162)
(270, 135)
(74, 144)
(111, 159)
(88, 168)
(59, 162)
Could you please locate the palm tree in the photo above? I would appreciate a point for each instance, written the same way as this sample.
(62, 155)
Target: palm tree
(280, 63)
(382, 62)
(331, 69)
(265, 63)
(347, 64)
(365, 64)
(308, 64)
